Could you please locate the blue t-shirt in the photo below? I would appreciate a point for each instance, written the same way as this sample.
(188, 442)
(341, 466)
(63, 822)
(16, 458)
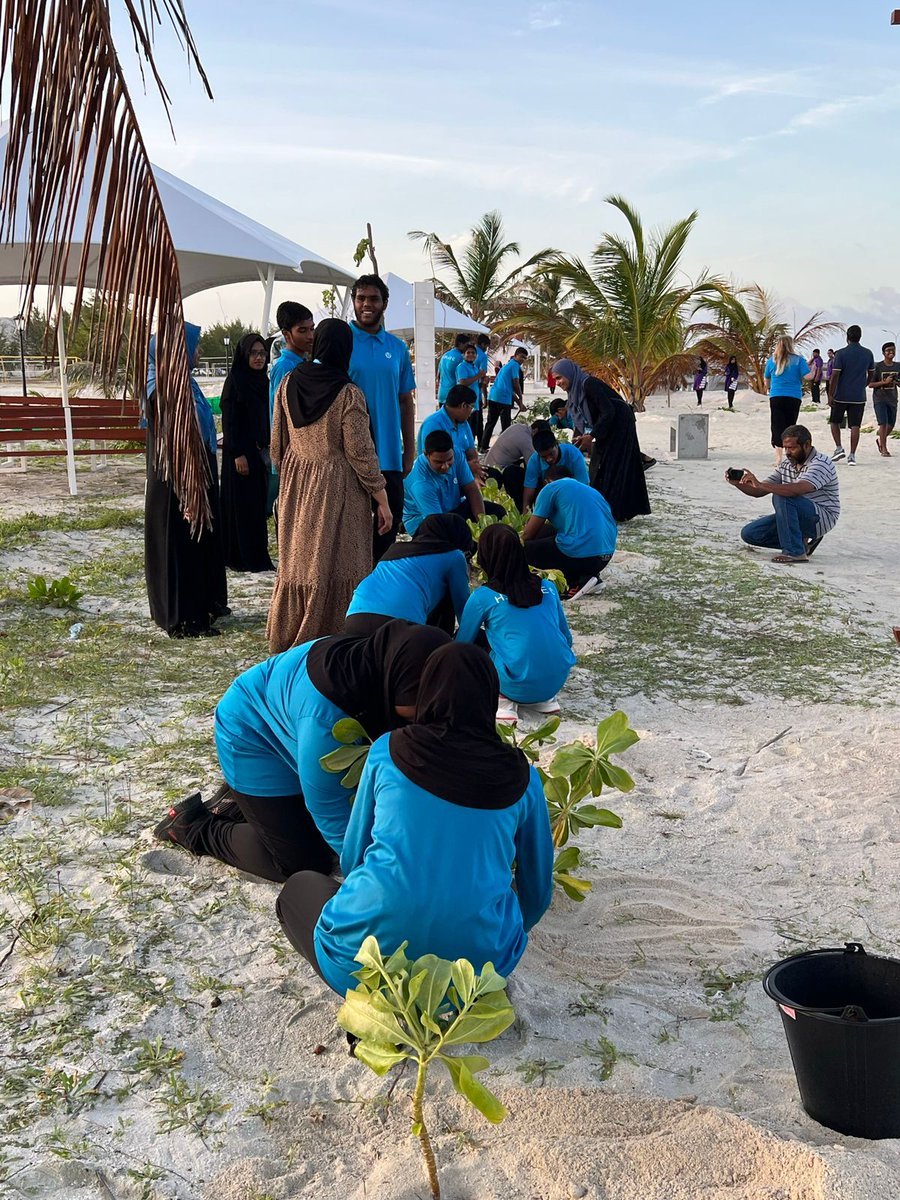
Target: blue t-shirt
(283, 365)
(462, 435)
(272, 727)
(412, 588)
(530, 647)
(438, 875)
(565, 423)
(854, 363)
(450, 360)
(426, 492)
(482, 362)
(581, 517)
(381, 369)
(790, 381)
(502, 391)
(570, 457)
(465, 371)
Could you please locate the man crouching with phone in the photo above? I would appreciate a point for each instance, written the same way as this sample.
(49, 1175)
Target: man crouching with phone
(804, 491)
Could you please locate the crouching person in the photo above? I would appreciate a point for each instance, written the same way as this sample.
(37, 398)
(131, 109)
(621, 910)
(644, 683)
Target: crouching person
(448, 845)
(804, 491)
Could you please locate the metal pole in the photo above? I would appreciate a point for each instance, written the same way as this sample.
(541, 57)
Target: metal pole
(67, 412)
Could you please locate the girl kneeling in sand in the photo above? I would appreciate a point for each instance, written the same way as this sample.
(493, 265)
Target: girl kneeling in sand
(447, 819)
(274, 724)
(527, 631)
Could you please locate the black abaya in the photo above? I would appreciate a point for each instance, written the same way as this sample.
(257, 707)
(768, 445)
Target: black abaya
(616, 467)
(245, 433)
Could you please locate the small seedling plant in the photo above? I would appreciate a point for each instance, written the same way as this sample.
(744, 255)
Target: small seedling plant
(58, 593)
(404, 1010)
(350, 755)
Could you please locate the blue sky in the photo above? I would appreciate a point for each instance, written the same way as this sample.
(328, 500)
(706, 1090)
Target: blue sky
(769, 118)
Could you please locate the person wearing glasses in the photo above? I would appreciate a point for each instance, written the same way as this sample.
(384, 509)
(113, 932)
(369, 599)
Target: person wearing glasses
(245, 457)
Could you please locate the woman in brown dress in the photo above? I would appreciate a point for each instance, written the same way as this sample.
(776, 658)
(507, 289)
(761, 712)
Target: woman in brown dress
(323, 451)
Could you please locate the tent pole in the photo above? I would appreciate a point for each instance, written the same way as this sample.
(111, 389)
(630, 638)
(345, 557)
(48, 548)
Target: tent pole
(423, 334)
(267, 302)
(67, 412)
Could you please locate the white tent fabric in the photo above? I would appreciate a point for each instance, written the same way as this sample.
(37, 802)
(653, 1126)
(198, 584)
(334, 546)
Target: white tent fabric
(216, 245)
(400, 311)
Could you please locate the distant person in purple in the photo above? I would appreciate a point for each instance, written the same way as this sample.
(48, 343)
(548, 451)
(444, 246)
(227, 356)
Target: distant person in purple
(732, 372)
(817, 369)
(700, 377)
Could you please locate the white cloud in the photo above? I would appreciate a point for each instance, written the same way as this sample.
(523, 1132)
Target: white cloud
(544, 16)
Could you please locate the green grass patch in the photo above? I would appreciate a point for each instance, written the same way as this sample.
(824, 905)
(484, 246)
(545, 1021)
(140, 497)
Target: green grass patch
(25, 530)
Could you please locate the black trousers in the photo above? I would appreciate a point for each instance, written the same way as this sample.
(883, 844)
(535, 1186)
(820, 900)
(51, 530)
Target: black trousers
(393, 485)
(299, 906)
(511, 479)
(276, 839)
(784, 411)
(544, 553)
(496, 412)
(364, 624)
(476, 424)
(730, 397)
(814, 392)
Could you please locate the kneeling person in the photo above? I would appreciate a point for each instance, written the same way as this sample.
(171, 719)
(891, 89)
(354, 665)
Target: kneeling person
(804, 491)
(571, 530)
(548, 452)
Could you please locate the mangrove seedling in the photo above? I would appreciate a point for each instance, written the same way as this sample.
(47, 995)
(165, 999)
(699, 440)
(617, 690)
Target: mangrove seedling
(352, 752)
(577, 771)
(416, 1010)
(59, 593)
(531, 743)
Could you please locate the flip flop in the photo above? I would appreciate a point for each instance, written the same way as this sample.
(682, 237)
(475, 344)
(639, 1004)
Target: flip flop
(811, 545)
(789, 559)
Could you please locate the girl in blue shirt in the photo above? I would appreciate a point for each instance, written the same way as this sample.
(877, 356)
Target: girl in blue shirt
(785, 371)
(425, 580)
(527, 631)
(274, 724)
(448, 846)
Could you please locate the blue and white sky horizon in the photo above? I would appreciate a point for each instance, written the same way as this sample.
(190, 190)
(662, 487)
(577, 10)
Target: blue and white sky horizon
(770, 119)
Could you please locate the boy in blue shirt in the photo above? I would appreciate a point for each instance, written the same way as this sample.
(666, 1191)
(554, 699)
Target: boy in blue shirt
(450, 360)
(559, 416)
(440, 483)
(453, 417)
(468, 374)
(572, 530)
(548, 452)
(298, 329)
(380, 367)
(507, 388)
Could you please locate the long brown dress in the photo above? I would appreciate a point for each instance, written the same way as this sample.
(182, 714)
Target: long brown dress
(329, 472)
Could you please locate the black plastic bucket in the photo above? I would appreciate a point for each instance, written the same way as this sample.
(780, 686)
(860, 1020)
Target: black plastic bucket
(841, 1014)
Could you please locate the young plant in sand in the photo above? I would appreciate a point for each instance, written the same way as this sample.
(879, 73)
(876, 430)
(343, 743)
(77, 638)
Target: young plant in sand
(58, 593)
(416, 1010)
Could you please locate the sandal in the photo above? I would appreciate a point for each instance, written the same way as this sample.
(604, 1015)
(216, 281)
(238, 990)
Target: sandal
(811, 544)
(790, 558)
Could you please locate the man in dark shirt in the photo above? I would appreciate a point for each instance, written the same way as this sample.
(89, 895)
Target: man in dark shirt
(884, 394)
(853, 368)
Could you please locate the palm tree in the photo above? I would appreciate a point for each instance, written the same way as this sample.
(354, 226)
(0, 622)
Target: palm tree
(74, 135)
(628, 308)
(478, 286)
(540, 308)
(747, 323)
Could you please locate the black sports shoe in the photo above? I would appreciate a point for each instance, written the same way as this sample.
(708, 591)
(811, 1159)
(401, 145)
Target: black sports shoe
(176, 821)
(222, 804)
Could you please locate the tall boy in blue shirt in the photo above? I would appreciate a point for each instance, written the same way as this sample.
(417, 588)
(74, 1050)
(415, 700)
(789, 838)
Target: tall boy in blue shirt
(507, 388)
(298, 329)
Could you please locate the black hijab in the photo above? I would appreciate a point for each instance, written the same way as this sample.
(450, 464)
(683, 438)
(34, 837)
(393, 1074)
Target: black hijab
(245, 385)
(453, 750)
(502, 557)
(437, 534)
(313, 386)
(367, 676)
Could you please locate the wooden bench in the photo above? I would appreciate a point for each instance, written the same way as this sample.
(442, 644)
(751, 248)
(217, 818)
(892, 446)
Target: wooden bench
(94, 419)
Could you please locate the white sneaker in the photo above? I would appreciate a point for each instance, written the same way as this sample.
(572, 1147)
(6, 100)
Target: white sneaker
(547, 708)
(589, 585)
(851, 460)
(838, 454)
(507, 712)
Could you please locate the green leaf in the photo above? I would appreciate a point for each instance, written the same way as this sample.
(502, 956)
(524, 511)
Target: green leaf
(589, 815)
(398, 960)
(613, 776)
(463, 975)
(575, 889)
(379, 1059)
(568, 759)
(434, 989)
(543, 733)
(473, 1090)
(368, 1016)
(557, 791)
(487, 1018)
(369, 954)
(343, 757)
(614, 735)
(489, 980)
(348, 731)
(567, 859)
(351, 779)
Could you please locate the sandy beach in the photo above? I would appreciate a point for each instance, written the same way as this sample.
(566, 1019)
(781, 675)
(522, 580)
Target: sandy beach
(160, 1039)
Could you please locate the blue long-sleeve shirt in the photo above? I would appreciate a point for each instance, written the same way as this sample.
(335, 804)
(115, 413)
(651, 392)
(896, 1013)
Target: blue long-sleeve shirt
(426, 491)
(530, 647)
(272, 727)
(412, 588)
(461, 904)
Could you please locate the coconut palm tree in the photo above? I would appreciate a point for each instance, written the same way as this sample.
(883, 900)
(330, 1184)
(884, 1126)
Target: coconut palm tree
(478, 285)
(540, 308)
(74, 136)
(628, 310)
(747, 322)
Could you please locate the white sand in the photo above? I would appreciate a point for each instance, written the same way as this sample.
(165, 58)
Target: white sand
(754, 831)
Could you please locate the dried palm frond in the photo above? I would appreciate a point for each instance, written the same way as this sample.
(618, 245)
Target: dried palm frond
(74, 135)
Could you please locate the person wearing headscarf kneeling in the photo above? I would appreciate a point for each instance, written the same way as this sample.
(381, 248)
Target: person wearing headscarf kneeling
(425, 580)
(448, 846)
(245, 458)
(605, 429)
(323, 451)
(527, 631)
(273, 726)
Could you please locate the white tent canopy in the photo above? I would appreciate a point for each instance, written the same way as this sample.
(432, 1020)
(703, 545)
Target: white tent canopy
(400, 311)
